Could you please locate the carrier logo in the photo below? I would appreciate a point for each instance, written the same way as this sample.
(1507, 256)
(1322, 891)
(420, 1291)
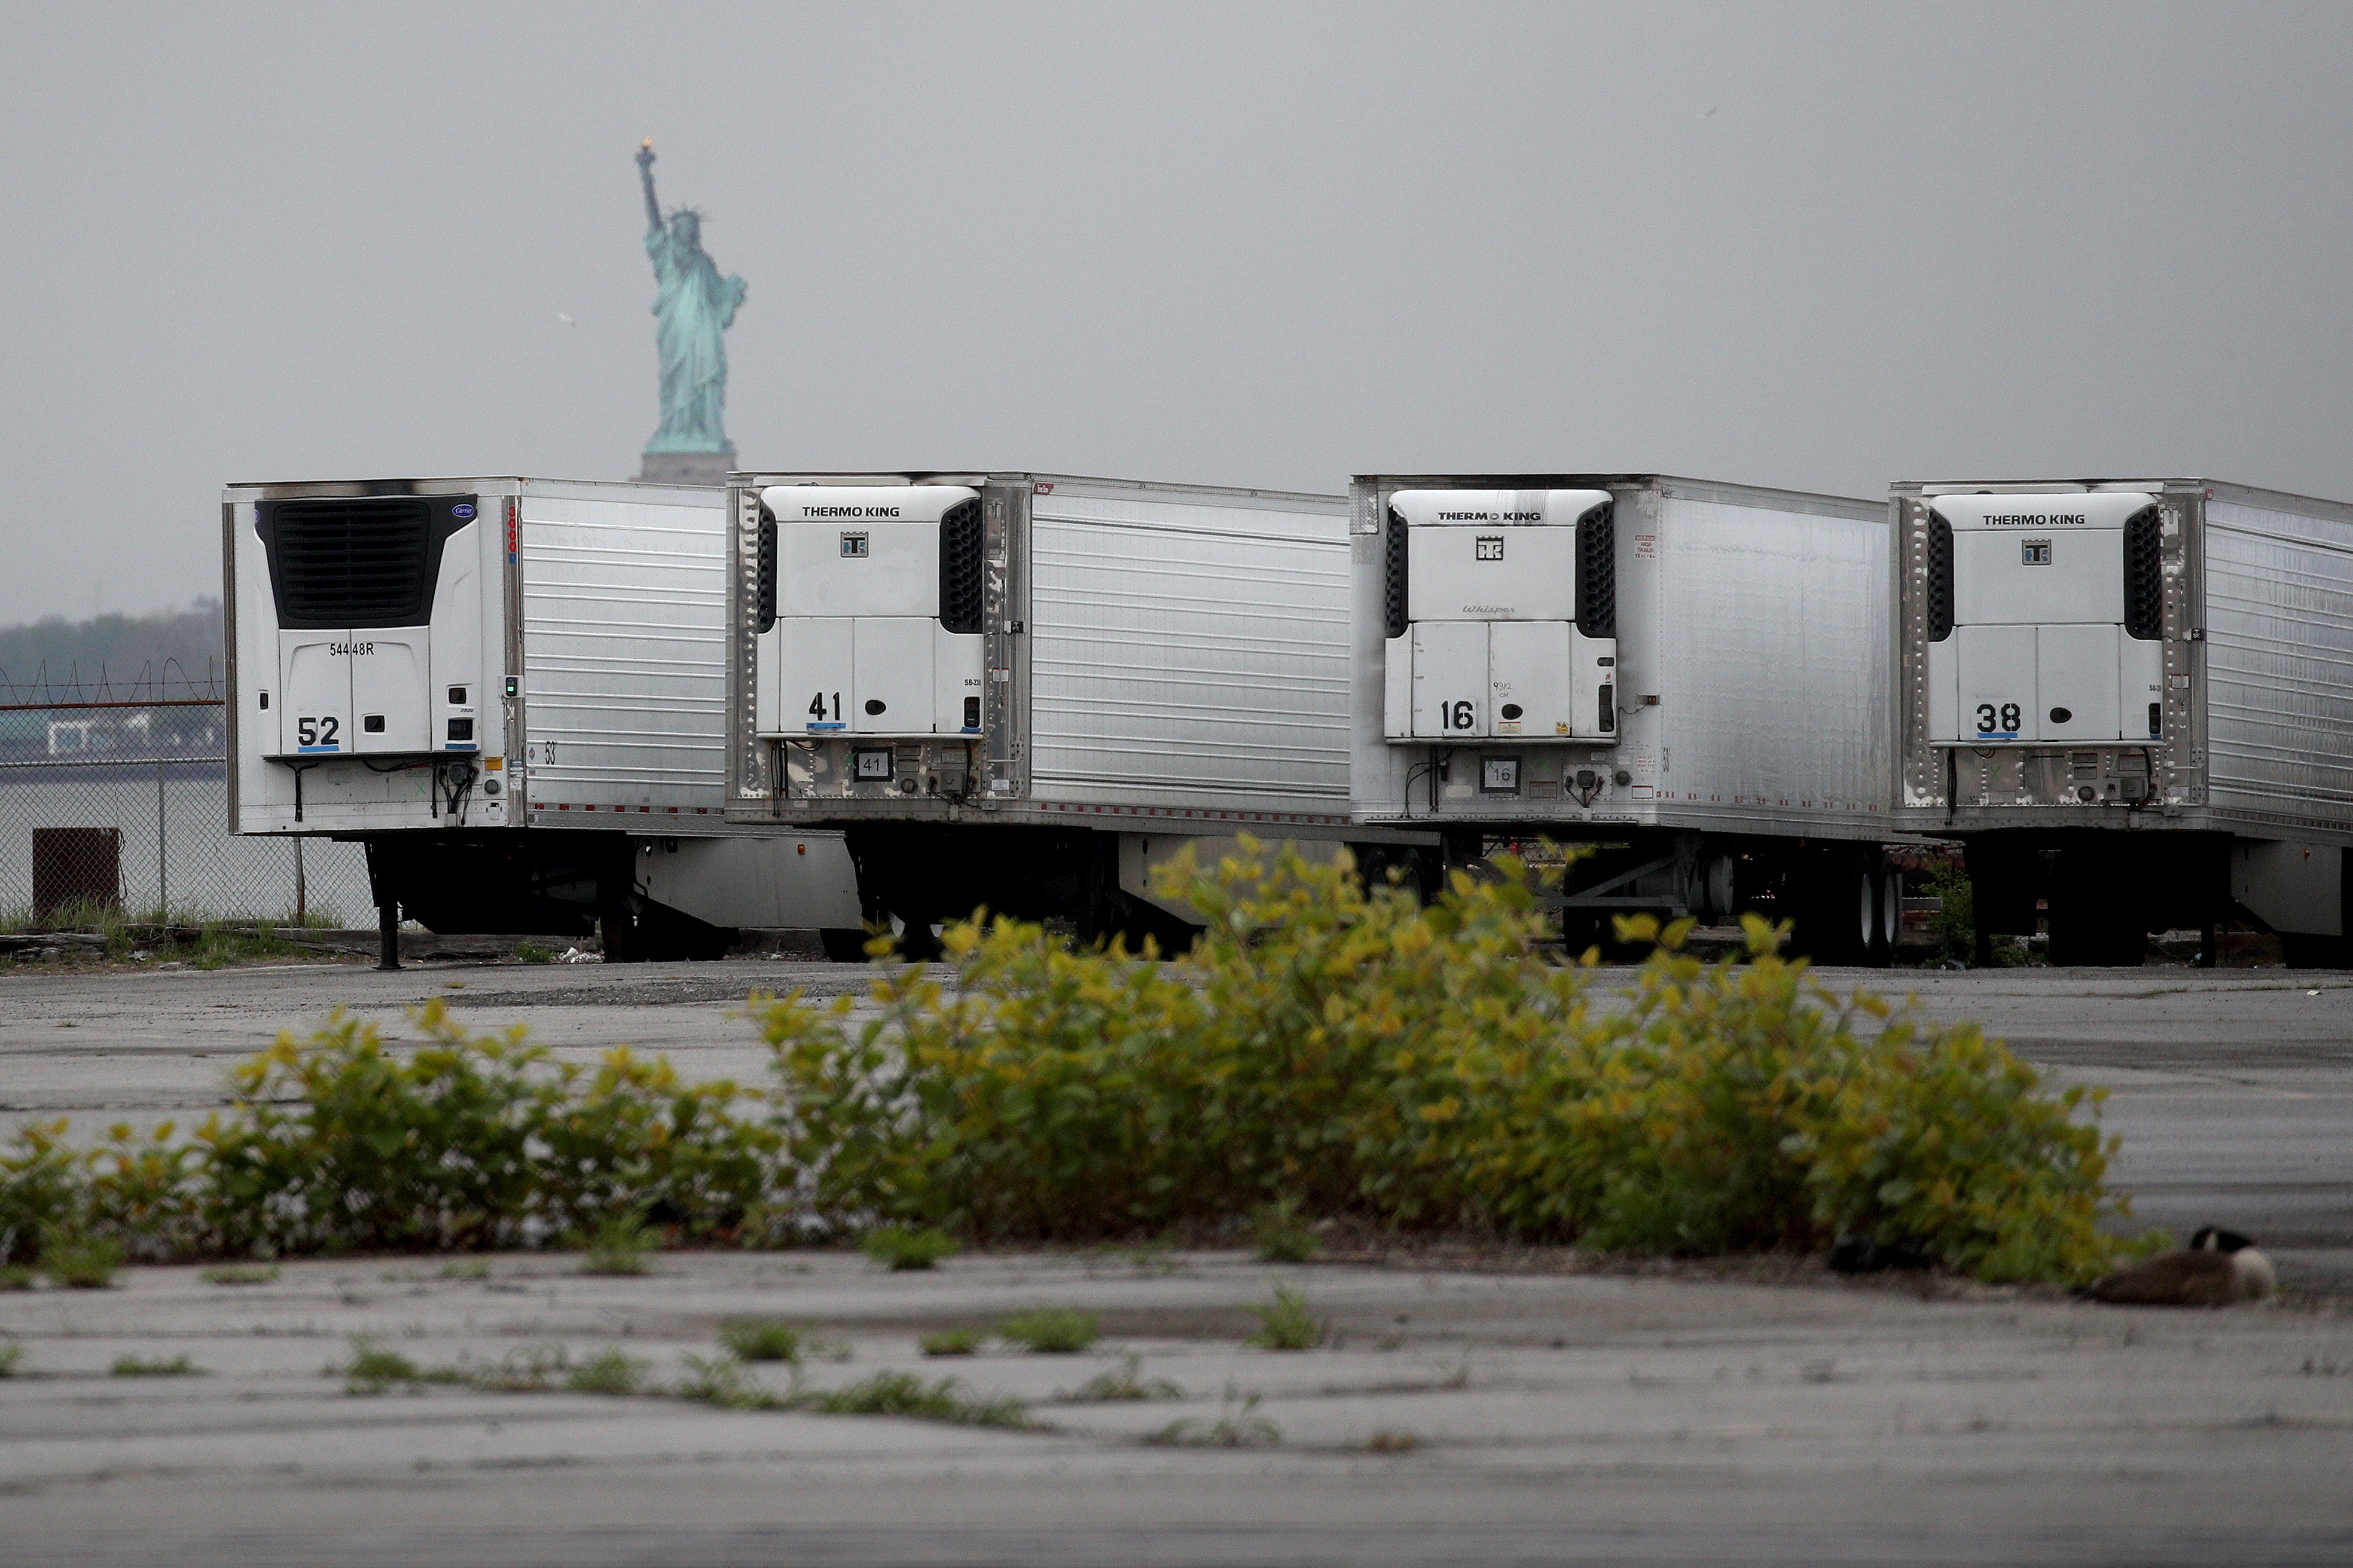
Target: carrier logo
(2036, 519)
(463, 509)
(1488, 547)
(853, 546)
(350, 649)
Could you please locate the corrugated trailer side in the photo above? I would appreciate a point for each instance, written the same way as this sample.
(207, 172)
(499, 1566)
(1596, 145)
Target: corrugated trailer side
(2278, 577)
(1188, 650)
(1770, 623)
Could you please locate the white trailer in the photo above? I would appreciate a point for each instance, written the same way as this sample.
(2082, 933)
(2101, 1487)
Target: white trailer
(2132, 700)
(513, 692)
(1024, 690)
(1689, 679)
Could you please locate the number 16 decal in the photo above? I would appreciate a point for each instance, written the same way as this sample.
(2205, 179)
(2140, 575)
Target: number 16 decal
(1458, 716)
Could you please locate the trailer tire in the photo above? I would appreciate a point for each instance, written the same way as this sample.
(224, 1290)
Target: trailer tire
(844, 945)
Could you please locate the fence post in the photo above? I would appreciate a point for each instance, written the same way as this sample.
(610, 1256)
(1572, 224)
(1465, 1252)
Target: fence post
(163, 889)
(301, 898)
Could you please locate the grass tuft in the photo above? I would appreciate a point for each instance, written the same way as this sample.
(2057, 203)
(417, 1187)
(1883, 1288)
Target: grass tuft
(80, 1262)
(1286, 1324)
(532, 1369)
(896, 1246)
(1279, 1234)
(762, 1340)
(533, 953)
(1051, 1330)
(10, 1354)
(721, 1380)
(466, 1268)
(1391, 1440)
(1122, 1384)
(951, 1341)
(1237, 1425)
(610, 1371)
(177, 1366)
(371, 1369)
(906, 1394)
(18, 1277)
(240, 1274)
(619, 1246)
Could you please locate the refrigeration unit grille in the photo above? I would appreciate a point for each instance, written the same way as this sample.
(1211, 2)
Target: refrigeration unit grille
(1596, 572)
(1393, 617)
(2144, 577)
(961, 575)
(1940, 579)
(365, 562)
(767, 570)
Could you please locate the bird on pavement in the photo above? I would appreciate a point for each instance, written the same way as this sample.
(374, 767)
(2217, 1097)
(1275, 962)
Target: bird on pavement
(2218, 1267)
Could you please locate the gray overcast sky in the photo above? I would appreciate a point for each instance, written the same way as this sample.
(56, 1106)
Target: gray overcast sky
(1820, 245)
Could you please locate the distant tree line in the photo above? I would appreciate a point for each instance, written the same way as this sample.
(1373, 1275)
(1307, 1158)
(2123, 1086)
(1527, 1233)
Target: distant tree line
(161, 648)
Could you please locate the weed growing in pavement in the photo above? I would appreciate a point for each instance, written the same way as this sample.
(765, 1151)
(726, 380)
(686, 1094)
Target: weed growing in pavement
(1125, 1383)
(80, 1262)
(896, 1246)
(530, 1368)
(762, 1340)
(1286, 1324)
(619, 1246)
(1237, 1424)
(240, 1274)
(904, 1394)
(11, 1353)
(1279, 1234)
(371, 1369)
(177, 1366)
(466, 1268)
(612, 1372)
(533, 953)
(722, 1380)
(1391, 1440)
(950, 1341)
(1051, 1331)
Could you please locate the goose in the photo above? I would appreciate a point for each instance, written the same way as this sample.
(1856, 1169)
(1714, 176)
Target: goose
(2218, 1267)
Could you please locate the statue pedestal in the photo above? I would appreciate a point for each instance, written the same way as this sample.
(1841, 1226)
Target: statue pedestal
(686, 467)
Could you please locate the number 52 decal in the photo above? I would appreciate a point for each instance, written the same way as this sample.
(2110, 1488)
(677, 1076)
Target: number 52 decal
(2008, 717)
(318, 732)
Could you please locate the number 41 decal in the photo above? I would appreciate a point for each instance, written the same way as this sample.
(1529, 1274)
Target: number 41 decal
(816, 710)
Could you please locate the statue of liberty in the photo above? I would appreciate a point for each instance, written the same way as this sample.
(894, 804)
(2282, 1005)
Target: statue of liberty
(694, 306)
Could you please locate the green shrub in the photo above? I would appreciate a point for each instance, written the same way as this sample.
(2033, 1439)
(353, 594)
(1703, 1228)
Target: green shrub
(896, 1246)
(1351, 1052)
(950, 1341)
(177, 1366)
(240, 1274)
(1286, 1324)
(1051, 1331)
(533, 953)
(18, 1277)
(753, 1339)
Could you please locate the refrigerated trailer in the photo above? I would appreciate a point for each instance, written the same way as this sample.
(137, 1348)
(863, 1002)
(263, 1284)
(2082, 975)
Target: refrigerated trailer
(514, 692)
(2132, 701)
(1688, 681)
(1024, 691)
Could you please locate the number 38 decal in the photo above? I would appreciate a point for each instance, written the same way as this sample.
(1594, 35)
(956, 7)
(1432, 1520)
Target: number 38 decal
(2008, 717)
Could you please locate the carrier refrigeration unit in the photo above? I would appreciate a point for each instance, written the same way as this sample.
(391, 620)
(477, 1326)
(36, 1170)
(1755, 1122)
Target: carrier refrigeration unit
(1690, 681)
(2132, 700)
(513, 692)
(1024, 691)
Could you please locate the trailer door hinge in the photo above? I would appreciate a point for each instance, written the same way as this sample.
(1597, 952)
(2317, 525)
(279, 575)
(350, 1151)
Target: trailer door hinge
(1013, 629)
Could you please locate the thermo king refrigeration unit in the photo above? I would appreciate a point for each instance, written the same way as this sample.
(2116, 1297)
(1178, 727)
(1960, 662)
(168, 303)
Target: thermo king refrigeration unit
(2132, 700)
(1689, 680)
(513, 692)
(1023, 691)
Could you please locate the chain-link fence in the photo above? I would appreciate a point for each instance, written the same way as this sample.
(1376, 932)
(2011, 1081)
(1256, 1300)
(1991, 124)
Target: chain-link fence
(124, 807)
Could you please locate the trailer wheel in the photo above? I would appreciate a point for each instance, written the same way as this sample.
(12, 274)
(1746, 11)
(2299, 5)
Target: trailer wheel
(844, 946)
